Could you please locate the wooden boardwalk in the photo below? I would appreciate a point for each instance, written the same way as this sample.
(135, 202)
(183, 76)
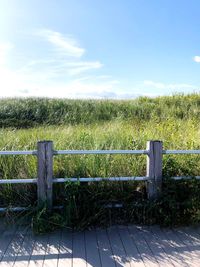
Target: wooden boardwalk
(112, 247)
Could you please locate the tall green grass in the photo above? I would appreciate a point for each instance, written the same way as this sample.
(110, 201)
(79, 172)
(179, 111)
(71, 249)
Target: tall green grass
(31, 112)
(108, 135)
(91, 124)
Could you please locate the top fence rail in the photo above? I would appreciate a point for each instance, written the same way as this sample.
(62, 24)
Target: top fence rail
(181, 152)
(79, 152)
(22, 152)
(100, 152)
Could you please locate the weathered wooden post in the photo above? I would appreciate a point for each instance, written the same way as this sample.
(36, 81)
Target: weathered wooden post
(45, 174)
(154, 169)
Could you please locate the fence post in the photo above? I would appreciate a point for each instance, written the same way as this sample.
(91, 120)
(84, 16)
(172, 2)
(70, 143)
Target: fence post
(154, 169)
(45, 174)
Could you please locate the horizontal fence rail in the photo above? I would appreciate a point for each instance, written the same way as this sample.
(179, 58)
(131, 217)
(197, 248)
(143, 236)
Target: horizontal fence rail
(99, 179)
(9, 153)
(185, 177)
(45, 180)
(84, 179)
(181, 152)
(18, 181)
(96, 152)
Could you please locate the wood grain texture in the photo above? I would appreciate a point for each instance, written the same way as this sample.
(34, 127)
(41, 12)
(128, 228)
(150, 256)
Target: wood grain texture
(105, 249)
(45, 173)
(49, 174)
(41, 173)
(132, 254)
(143, 247)
(79, 250)
(92, 249)
(154, 169)
(119, 253)
(65, 256)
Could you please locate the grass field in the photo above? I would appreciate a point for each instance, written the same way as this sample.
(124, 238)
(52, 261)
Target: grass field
(32, 112)
(89, 124)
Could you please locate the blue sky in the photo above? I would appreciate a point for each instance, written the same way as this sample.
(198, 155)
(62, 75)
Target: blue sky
(98, 48)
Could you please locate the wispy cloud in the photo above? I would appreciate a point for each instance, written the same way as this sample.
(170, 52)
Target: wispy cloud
(60, 71)
(75, 68)
(197, 59)
(63, 44)
(63, 56)
(61, 67)
(79, 89)
(173, 86)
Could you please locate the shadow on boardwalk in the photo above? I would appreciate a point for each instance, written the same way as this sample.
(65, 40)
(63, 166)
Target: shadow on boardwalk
(115, 246)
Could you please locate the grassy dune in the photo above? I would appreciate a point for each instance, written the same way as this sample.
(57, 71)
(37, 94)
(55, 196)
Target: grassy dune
(89, 124)
(33, 112)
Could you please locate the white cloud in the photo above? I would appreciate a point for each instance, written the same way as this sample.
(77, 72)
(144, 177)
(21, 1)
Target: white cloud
(53, 77)
(62, 57)
(63, 72)
(197, 59)
(75, 68)
(168, 86)
(60, 67)
(63, 44)
(78, 89)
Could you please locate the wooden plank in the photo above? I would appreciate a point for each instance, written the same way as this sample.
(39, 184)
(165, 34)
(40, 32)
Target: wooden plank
(169, 247)
(119, 254)
(155, 246)
(150, 171)
(79, 251)
(45, 173)
(105, 250)
(41, 173)
(193, 234)
(154, 169)
(158, 148)
(65, 249)
(14, 247)
(39, 250)
(180, 249)
(49, 173)
(146, 254)
(5, 239)
(52, 251)
(132, 253)
(193, 240)
(192, 248)
(92, 250)
(23, 257)
(116, 246)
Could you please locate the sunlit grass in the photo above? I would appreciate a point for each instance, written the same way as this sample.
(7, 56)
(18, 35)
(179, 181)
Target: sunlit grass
(108, 135)
(77, 124)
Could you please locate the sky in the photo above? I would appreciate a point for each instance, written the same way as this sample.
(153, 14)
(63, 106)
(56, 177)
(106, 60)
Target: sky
(99, 48)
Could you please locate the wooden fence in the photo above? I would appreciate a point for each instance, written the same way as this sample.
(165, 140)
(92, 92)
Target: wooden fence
(45, 180)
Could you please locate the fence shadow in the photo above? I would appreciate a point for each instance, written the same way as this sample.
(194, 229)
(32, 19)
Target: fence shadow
(115, 246)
